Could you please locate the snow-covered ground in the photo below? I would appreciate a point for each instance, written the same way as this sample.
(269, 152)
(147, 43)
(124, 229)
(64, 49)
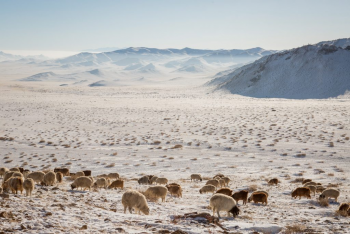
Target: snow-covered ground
(249, 140)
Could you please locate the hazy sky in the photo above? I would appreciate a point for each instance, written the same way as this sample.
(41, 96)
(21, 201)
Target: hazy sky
(215, 24)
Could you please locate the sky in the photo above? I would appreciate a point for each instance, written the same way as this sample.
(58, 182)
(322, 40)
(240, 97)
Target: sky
(78, 25)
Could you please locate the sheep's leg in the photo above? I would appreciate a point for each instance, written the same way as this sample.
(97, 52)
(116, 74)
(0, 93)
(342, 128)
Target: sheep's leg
(130, 210)
(124, 209)
(218, 214)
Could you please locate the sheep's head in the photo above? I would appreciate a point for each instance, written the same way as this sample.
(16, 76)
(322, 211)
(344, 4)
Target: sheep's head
(73, 186)
(200, 179)
(200, 191)
(145, 210)
(322, 196)
(235, 211)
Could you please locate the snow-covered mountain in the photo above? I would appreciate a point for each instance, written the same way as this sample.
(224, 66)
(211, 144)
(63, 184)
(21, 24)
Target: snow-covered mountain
(312, 71)
(8, 57)
(343, 43)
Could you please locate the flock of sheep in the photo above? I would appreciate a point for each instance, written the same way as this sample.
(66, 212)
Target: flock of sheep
(223, 198)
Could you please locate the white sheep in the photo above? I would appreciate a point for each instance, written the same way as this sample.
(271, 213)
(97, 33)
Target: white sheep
(156, 192)
(28, 185)
(196, 177)
(37, 176)
(101, 183)
(78, 174)
(153, 179)
(49, 178)
(333, 193)
(134, 199)
(82, 182)
(161, 180)
(312, 189)
(3, 170)
(114, 176)
(207, 189)
(213, 182)
(220, 202)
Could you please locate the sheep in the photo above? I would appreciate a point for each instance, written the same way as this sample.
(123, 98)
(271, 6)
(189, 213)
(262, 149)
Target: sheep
(310, 183)
(222, 183)
(301, 192)
(259, 197)
(220, 202)
(218, 176)
(37, 176)
(87, 173)
(225, 191)
(117, 184)
(28, 185)
(196, 177)
(176, 184)
(3, 170)
(15, 184)
(161, 180)
(259, 191)
(306, 181)
(49, 179)
(78, 174)
(320, 189)
(1, 190)
(101, 183)
(17, 174)
(82, 182)
(344, 209)
(7, 176)
(213, 182)
(153, 179)
(59, 177)
(227, 181)
(333, 193)
(150, 177)
(144, 180)
(64, 171)
(156, 192)
(174, 190)
(241, 195)
(273, 181)
(114, 176)
(207, 189)
(312, 189)
(15, 169)
(26, 173)
(134, 199)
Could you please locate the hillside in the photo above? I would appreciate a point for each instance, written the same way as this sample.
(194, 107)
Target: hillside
(306, 72)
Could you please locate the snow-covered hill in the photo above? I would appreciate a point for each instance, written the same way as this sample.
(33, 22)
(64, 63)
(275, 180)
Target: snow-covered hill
(306, 72)
(344, 42)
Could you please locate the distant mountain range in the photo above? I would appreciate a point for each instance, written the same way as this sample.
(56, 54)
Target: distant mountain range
(312, 71)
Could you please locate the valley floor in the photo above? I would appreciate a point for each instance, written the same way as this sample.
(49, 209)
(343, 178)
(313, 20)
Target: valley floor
(133, 131)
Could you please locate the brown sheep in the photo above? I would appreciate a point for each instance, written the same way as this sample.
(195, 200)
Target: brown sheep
(78, 174)
(28, 185)
(301, 192)
(312, 189)
(306, 181)
(213, 182)
(273, 181)
(344, 207)
(222, 183)
(174, 190)
(171, 184)
(219, 176)
(320, 189)
(241, 195)
(227, 180)
(87, 173)
(64, 171)
(225, 191)
(144, 180)
(59, 177)
(15, 169)
(15, 184)
(259, 197)
(117, 184)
